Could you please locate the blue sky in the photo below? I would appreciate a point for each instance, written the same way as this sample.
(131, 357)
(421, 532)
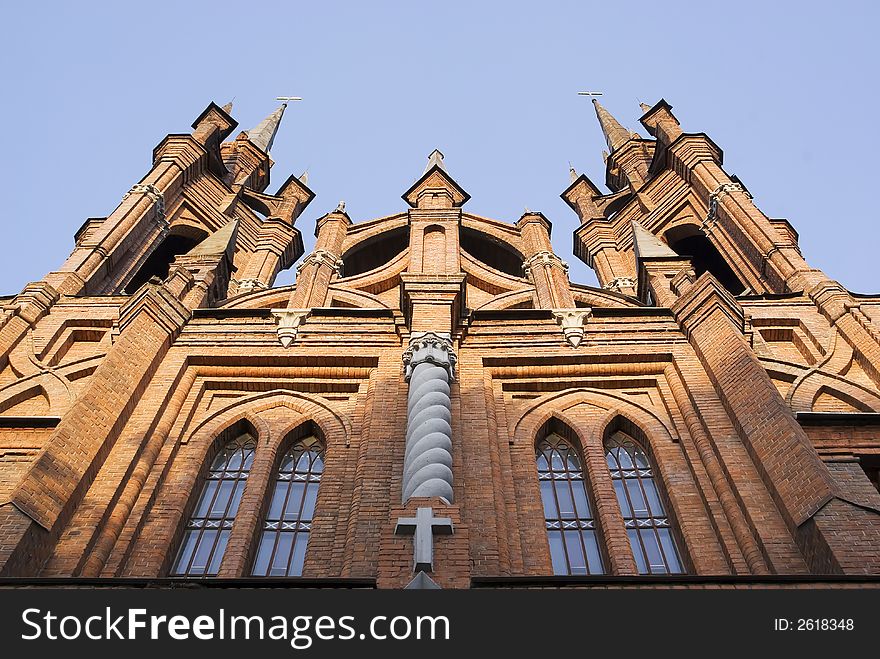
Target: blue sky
(788, 90)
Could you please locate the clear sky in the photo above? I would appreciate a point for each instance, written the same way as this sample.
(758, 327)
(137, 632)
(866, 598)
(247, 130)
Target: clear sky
(789, 90)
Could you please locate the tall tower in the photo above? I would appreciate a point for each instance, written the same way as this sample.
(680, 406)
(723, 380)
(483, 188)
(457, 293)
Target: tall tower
(196, 229)
(678, 232)
(433, 402)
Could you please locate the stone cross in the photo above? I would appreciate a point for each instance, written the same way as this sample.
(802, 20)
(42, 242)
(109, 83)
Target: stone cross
(424, 525)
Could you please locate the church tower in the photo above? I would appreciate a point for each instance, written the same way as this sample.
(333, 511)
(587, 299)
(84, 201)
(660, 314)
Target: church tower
(433, 403)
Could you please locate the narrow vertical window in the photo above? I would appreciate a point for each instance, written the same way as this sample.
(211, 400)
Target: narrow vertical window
(288, 522)
(644, 516)
(568, 513)
(207, 530)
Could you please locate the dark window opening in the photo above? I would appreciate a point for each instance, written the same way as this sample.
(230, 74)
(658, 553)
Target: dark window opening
(706, 259)
(491, 251)
(375, 251)
(871, 467)
(159, 262)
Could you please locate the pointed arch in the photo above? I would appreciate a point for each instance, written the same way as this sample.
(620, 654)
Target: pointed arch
(331, 423)
(573, 534)
(291, 504)
(641, 498)
(209, 524)
(554, 403)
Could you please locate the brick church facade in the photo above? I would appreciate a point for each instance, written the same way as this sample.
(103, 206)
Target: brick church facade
(434, 402)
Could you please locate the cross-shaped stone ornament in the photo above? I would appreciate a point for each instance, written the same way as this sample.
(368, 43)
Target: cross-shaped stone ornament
(423, 526)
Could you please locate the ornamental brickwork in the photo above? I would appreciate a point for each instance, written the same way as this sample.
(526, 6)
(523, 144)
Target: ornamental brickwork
(454, 397)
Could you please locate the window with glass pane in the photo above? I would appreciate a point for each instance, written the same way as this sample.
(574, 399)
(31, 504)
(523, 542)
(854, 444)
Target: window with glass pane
(288, 523)
(568, 513)
(207, 530)
(644, 516)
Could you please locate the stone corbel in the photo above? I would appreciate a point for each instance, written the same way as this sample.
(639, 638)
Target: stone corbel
(572, 322)
(289, 321)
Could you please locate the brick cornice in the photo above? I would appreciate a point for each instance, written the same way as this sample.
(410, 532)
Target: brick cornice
(35, 300)
(182, 150)
(690, 149)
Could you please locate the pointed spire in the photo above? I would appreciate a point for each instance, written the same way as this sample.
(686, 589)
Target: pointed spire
(264, 134)
(436, 158)
(304, 177)
(227, 108)
(645, 107)
(615, 134)
(647, 245)
(436, 179)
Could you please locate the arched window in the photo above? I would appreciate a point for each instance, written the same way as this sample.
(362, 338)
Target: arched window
(288, 522)
(568, 513)
(207, 530)
(640, 502)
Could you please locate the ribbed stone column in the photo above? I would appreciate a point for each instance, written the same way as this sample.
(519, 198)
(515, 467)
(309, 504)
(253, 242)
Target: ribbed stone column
(429, 367)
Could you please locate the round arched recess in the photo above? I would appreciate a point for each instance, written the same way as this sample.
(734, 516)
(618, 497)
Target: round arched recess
(688, 240)
(374, 252)
(491, 251)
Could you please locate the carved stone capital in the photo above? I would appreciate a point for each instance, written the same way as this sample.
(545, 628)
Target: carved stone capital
(543, 258)
(572, 322)
(432, 347)
(247, 285)
(619, 283)
(322, 257)
(714, 197)
(155, 194)
(289, 321)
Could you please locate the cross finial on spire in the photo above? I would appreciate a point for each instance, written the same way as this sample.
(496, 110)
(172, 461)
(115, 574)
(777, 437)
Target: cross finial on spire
(264, 134)
(615, 134)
